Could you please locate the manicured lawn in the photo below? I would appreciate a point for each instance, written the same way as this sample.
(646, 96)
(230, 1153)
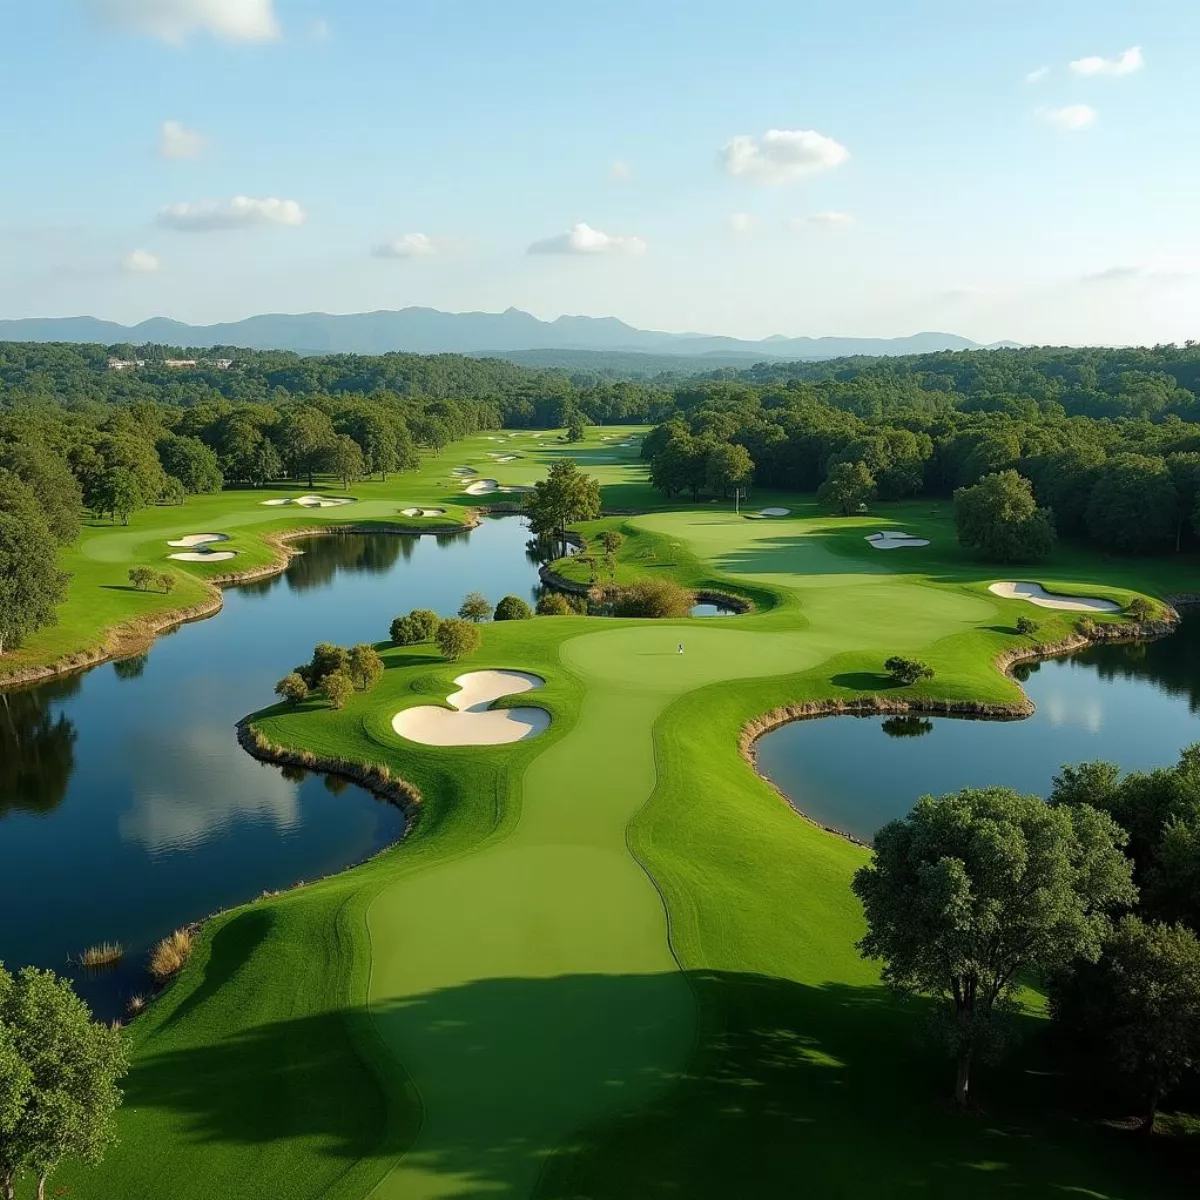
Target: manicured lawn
(610, 962)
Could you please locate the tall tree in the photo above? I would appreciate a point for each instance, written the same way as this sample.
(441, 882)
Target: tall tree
(346, 460)
(848, 489)
(1000, 520)
(970, 890)
(48, 477)
(1134, 504)
(728, 465)
(306, 438)
(564, 496)
(30, 582)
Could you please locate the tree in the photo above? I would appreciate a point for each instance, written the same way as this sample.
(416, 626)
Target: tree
(553, 604)
(1133, 505)
(907, 671)
(327, 659)
(306, 438)
(612, 540)
(120, 494)
(190, 461)
(565, 495)
(576, 428)
(970, 890)
(847, 489)
(475, 607)
(366, 667)
(457, 638)
(999, 519)
(173, 492)
(426, 622)
(512, 608)
(292, 688)
(47, 476)
(1027, 626)
(1140, 609)
(728, 465)
(166, 581)
(1138, 1007)
(346, 460)
(337, 688)
(658, 598)
(30, 582)
(404, 631)
(60, 1075)
(141, 577)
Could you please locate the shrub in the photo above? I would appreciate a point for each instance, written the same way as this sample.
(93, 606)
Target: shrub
(337, 687)
(171, 954)
(553, 604)
(512, 608)
(366, 667)
(475, 608)
(137, 1002)
(1086, 627)
(1027, 626)
(612, 541)
(653, 598)
(907, 671)
(457, 638)
(578, 604)
(141, 577)
(1140, 609)
(292, 688)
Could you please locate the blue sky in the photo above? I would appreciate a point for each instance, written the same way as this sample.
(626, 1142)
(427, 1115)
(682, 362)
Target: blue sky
(415, 152)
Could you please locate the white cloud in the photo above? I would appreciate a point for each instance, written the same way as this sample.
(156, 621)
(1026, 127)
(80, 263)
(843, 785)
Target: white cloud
(242, 212)
(583, 239)
(1038, 75)
(176, 20)
(621, 170)
(781, 156)
(1157, 276)
(320, 30)
(742, 222)
(824, 220)
(175, 140)
(408, 245)
(140, 262)
(1125, 63)
(1070, 118)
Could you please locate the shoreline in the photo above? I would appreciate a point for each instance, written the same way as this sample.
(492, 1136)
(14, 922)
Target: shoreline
(129, 638)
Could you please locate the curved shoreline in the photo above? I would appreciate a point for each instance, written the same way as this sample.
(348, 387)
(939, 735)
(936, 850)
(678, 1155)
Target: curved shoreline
(136, 636)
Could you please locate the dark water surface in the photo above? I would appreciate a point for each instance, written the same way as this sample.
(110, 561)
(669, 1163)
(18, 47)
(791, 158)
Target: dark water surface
(1135, 705)
(127, 808)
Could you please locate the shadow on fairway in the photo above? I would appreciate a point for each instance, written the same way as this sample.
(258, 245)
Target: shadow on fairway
(795, 1090)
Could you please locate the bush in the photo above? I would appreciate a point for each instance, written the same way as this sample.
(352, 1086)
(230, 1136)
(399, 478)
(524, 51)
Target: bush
(553, 604)
(338, 687)
(907, 671)
(658, 598)
(405, 632)
(1140, 609)
(457, 638)
(1086, 627)
(366, 667)
(512, 608)
(475, 607)
(141, 577)
(1027, 626)
(292, 688)
(171, 954)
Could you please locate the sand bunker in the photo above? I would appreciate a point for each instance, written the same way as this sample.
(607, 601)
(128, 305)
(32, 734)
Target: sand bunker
(204, 555)
(423, 512)
(1036, 594)
(463, 471)
(311, 501)
(470, 721)
(276, 503)
(199, 539)
(481, 487)
(893, 539)
(774, 512)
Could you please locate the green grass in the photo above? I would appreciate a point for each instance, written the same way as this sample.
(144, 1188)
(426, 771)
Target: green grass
(610, 962)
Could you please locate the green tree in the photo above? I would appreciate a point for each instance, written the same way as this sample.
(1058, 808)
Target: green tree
(62, 1096)
(847, 489)
(728, 465)
(337, 687)
(475, 607)
(907, 671)
(404, 631)
(576, 427)
(173, 492)
(999, 519)
(346, 460)
(973, 889)
(141, 577)
(166, 581)
(190, 461)
(292, 688)
(553, 604)
(121, 494)
(327, 659)
(30, 582)
(1133, 505)
(366, 667)
(48, 477)
(1027, 626)
(427, 622)
(457, 638)
(1138, 1008)
(307, 439)
(564, 496)
(512, 608)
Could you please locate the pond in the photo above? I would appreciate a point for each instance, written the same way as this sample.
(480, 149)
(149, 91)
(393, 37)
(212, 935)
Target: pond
(127, 808)
(1135, 705)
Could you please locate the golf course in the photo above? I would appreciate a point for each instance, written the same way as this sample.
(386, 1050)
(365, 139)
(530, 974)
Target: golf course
(608, 960)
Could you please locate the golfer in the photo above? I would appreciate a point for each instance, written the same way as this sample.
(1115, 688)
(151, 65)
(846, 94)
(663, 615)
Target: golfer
(680, 647)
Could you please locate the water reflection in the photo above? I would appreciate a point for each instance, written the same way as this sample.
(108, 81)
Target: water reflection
(37, 748)
(907, 727)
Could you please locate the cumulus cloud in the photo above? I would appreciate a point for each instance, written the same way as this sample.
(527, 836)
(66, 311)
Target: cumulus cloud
(1038, 75)
(1125, 63)
(742, 222)
(1070, 118)
(583, 239)
(621, 170)
(781, 156)
(176, 20)
(824, 220)
(242, 212)
(175, 140)
(408, 245)
(140, 262)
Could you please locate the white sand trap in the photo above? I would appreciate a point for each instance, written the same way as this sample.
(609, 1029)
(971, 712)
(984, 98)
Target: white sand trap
(323, 501)
(204, 555)
(1036, 594)
(199, 539)
(471, 721)
(774, 512)
(481, 487)
(423, 512)
(463, 471)
(276, 503)
(507, 457)
(893, 539)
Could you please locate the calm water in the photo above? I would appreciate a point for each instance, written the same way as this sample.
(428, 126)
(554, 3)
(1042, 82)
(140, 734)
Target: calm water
(127, 807)
(1133, 705)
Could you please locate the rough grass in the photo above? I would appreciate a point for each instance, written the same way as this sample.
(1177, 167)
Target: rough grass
(170, 955)
(103, 954)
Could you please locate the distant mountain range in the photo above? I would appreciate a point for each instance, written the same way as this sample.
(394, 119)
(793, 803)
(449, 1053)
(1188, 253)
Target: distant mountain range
(430, 331)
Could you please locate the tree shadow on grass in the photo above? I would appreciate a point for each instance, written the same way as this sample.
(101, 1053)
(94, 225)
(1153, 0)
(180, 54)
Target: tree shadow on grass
(794, 1090)
(865, 681)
